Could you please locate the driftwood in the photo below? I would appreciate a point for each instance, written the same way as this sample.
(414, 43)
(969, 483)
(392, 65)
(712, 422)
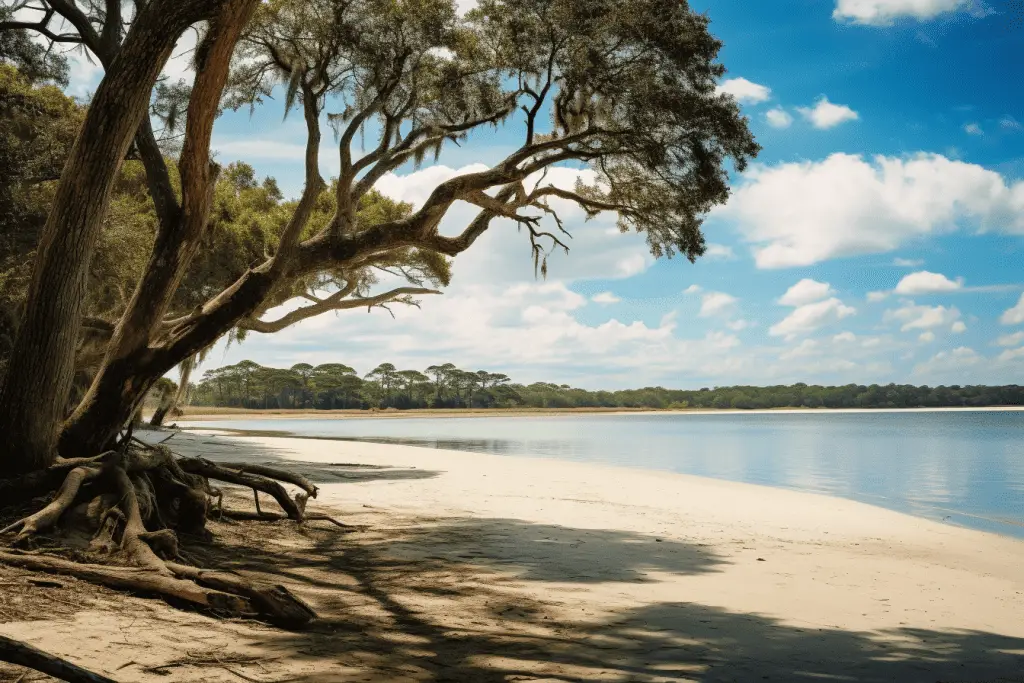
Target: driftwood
(25, 655)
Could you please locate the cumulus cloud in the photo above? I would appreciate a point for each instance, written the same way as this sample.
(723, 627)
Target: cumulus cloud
(810, 317)
(884, 12)
(719, 252)
(1012, 354)
(958, 327)
(922, 317)
(605, 298)
(1014, 315)
(949, 363)
(826, 115)
(875, 297)
(1011, 339)
(778, 118)
(716, 303)
(973, 129)
(803, 213)
(925, 282)
(745, 92)
(927, 337)
(907, 263)
(806, 291)
(808, 347)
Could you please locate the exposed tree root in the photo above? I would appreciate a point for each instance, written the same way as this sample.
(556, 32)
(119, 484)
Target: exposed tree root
(25, 655)
(293, 507)
(137, 580)
(277, 516)
(133, 503)
(274, 473)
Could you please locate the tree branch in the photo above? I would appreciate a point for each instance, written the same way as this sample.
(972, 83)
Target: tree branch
(335, 302)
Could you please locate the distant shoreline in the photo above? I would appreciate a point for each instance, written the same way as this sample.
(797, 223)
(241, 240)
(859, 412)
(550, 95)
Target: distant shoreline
(202, 414)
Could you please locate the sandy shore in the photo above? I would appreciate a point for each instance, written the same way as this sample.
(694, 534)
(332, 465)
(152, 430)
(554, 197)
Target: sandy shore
(492, 568)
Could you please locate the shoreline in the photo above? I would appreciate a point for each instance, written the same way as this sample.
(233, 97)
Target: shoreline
(193, 414)
(477, 568)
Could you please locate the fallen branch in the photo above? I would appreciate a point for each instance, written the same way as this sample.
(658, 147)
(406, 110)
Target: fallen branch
(25, 655)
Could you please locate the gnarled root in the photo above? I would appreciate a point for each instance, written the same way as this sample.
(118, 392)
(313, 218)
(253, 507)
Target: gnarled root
(66, 495)
(293, 507)
(135, 503)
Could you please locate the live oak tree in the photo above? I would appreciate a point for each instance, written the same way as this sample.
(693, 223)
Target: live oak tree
(623, 90)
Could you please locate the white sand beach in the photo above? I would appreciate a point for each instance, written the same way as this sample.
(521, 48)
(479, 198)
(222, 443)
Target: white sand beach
(473, 567)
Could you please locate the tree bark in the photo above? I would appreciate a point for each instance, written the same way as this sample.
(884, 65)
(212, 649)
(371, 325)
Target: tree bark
(128, 370)
(39, 376)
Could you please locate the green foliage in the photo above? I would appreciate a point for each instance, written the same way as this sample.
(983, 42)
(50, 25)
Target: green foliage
(35, 62)
(38, 124)
(446, 386)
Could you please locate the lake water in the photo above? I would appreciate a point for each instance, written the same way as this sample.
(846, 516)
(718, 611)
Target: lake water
(960, 467)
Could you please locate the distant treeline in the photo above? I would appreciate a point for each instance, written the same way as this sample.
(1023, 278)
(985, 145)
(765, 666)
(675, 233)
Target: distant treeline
(334, 385)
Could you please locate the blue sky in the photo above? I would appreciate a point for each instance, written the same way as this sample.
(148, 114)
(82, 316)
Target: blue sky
(879, 237)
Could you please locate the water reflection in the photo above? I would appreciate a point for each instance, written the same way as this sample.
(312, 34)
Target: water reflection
(961, 467)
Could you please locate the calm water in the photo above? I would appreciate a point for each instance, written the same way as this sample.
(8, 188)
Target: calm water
(964, 468)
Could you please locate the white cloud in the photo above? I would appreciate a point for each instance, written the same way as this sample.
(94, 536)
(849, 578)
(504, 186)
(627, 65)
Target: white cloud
(826, 115)
(924, 282)
(805, 212)
(949, 363)
(1012, 354)
(845, 337)
(738, 325)
(808, 347)
(810, 317)
(693, 289)
(1011, 339)
(973, 129)
(958, 327)
(1014, 315)
(778, 118)
(907, 263)
(927, 337)
(805, 292)
(716, 303)
(875, 297)
(883, 12)
(1010, 123)
(719, 252)
(922, 317)
(745, 92)
(605, 298)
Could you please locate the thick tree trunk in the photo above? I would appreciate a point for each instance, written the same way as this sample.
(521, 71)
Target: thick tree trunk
(125, 381)
(36, 387)
(134, 360)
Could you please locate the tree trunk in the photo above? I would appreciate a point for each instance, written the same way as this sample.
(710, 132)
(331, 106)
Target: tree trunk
(39, 375)
(134, 361)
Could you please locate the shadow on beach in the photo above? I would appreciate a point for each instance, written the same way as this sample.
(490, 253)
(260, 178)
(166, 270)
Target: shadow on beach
(443, 600)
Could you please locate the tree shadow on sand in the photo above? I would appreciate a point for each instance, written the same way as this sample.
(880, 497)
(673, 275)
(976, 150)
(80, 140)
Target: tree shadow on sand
(442, 600)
